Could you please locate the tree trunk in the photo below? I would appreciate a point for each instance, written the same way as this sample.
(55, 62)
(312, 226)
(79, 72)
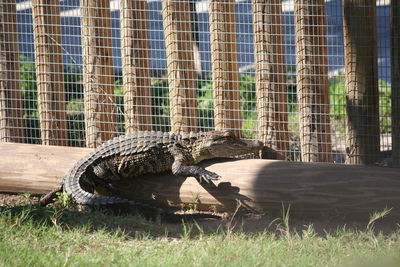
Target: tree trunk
(49, 72)
(395, 31)
(180, 63)
(311, 189)
(272, 109)
(11, 108)
(312, 81)
(135, 53)
(361, 77)
(98, 73)
(225, 72)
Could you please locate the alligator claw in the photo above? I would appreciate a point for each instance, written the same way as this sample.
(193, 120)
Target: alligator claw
(208, 176)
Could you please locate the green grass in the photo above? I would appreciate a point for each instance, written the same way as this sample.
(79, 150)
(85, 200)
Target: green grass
(56, 236)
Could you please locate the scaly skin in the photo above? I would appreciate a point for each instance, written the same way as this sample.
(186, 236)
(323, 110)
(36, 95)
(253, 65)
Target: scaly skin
(144, 152)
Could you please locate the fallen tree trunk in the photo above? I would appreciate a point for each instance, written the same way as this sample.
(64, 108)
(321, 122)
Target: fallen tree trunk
(262, 185)
(35, 168)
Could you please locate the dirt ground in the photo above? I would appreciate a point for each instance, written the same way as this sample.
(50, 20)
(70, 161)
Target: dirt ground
(10, 200)
(251, 223)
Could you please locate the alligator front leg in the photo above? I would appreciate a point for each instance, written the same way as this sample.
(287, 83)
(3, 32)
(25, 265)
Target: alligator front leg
(184, 165)
(199, 173)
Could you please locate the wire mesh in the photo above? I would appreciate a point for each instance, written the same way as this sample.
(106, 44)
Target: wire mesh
(311, 79)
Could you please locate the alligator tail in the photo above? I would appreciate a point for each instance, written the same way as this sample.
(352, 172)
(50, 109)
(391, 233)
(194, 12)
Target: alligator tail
(72, 186)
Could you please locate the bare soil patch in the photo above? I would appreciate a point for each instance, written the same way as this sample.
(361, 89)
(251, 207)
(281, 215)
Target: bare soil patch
(12, 200)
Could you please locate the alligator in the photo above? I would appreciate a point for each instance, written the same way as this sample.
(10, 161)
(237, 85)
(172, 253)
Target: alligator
(145, 152)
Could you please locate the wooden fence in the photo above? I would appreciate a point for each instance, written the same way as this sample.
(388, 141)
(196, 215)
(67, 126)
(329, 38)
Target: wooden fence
(271, 78)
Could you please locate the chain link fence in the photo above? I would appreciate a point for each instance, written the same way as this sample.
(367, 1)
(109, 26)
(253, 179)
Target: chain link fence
(316, 81)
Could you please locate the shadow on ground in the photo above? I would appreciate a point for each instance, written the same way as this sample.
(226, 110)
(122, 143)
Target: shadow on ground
(133, 224)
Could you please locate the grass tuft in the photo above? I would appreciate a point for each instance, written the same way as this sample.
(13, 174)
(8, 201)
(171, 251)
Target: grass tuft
(376, 215)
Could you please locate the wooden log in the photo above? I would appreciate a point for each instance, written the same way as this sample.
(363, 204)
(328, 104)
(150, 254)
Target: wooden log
(225, 71)
(361, 77)
(311, 189)
(135, 52)
(11, 110)
(180, 63)
(35, 168)
(98, 73)
(271, 86)
(312, 81)
(50, 72)
(395, 59)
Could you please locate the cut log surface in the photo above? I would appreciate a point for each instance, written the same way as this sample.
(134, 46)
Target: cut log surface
(35, 168)
(262, 185)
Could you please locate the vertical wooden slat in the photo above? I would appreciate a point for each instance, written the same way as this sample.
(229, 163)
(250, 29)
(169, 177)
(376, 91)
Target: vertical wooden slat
(395, 43)
(49, 72)
(11, 123)
(136, 65)
(180, 63)
(225, 72)
(270, 75)
(361, 77)
(312, 82)
(98, 73)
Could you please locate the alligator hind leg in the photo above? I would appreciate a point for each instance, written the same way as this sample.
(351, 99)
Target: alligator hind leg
(104, 180)
(105, 187)
(51, 196)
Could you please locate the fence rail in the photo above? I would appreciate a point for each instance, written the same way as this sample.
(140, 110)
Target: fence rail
(317, 81)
